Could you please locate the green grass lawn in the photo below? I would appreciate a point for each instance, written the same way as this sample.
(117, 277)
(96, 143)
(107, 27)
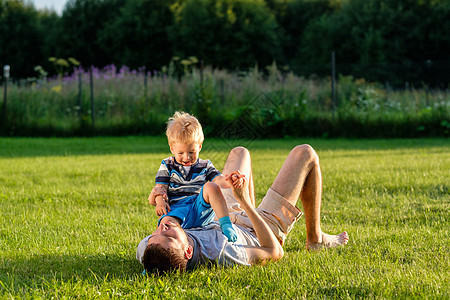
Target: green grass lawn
(74, 210)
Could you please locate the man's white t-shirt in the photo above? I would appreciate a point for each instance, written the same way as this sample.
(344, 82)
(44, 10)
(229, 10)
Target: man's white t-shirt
(212, 246)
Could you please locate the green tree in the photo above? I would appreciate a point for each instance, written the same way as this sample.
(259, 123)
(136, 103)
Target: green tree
(227, 33)
(20, 38)
(138, 37)
(371, 37)
(294, 16)
(48, 24)
(81, 24)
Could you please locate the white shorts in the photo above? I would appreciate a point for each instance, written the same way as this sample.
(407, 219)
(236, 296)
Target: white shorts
(279, 214)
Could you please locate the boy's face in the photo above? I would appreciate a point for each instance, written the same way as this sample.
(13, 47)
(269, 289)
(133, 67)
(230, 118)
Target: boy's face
(186, 154)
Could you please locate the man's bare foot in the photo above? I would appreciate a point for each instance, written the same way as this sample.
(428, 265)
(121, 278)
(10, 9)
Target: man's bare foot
(329, 241)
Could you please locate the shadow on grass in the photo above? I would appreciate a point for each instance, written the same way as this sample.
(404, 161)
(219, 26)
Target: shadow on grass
(341, 293)
(39, 269)
(35, 147)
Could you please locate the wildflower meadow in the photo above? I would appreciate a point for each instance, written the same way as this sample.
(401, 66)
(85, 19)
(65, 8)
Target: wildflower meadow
(270, 101)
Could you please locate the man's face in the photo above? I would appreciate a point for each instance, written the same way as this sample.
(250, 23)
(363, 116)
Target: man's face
(169, 234)
(185, 154)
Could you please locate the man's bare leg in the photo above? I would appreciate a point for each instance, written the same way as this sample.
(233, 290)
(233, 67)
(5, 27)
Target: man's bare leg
(239, 159)
(300, 177)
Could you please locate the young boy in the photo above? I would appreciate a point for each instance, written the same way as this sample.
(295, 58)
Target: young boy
(188, 187)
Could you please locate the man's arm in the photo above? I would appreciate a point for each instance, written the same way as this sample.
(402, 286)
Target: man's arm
(158, 190)
(162, 206)
(270, 248)
(223, 182)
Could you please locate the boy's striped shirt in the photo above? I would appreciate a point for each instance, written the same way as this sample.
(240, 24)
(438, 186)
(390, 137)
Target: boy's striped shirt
(181, 183)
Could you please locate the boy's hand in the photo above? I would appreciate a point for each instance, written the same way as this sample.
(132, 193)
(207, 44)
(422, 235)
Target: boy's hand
(158, 190)
(162, 207)
(240, 189)
(236, 178)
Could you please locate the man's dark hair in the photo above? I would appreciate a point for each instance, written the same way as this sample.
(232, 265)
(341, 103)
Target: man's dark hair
(158, 259)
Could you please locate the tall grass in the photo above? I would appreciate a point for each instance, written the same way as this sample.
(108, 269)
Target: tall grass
(74, 210)
(139, 102)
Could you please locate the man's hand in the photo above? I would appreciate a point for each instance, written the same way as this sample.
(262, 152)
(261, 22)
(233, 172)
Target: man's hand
(158, 190)
(239, 186)
(162, 207)
(236, 179)
(270, 248)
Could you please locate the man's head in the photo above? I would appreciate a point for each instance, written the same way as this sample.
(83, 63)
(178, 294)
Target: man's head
(185, 136)
(168, 247)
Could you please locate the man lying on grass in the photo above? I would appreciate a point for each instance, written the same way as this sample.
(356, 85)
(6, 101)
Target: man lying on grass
(261, 231)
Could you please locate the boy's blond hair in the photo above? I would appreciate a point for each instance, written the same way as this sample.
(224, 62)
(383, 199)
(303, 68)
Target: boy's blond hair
(184, 128)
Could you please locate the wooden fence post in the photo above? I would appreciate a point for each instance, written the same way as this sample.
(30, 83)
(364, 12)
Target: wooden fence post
(6, 69)
(202, 66)
(80, 104)
(91, 82)
(145, 88)
(333, 80)
(5, 93)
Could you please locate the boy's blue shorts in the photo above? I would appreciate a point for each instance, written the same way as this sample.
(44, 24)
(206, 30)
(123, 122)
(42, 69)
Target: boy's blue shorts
(193, 211)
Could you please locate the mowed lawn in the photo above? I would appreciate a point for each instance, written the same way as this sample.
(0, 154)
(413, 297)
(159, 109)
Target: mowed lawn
(73, 211)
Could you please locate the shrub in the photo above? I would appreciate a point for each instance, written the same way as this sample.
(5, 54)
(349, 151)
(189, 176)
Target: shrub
(246, 104)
